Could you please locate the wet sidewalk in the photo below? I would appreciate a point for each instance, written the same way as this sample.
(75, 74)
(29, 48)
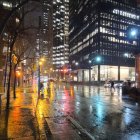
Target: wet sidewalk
(20, 121)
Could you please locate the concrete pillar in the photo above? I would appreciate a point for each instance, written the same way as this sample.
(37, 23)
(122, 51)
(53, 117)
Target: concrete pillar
(137, 69)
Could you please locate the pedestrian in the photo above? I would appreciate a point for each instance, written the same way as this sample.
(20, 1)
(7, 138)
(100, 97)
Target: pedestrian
(112, 85)
(41, 88)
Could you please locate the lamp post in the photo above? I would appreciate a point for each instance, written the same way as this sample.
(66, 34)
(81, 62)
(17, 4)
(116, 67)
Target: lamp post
(97, 60)
(89, 70)
(40, 63)
(38, 80)
(77, 64)
(18, 74)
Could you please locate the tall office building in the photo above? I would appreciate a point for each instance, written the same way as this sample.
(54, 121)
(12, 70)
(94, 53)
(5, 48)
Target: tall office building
(60, 32)
(100, 44)
(46, 27)
(55, 23)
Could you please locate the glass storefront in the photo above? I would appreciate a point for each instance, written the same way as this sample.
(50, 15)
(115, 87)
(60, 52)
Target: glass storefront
(107, 73)
(79, 75)
(127, 73)
(111, 73)
(94, 73)
(86, 75)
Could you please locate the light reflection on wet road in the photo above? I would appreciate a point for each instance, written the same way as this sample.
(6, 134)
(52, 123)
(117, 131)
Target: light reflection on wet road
(105, 115)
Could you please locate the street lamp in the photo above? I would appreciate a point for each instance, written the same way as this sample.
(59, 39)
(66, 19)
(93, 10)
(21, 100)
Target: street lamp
(76, 63)
(133, 32)
(40, 63)
(89, 61)
(98, 59)
(89, 70)
(18, 74)
(42, 59)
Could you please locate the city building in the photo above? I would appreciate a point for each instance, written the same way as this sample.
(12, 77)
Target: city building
(100, 39)
(47, 28)
(60, 32)
(55, 28)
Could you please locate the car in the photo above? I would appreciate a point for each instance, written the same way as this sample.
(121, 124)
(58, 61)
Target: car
(118, 85)
(106, 85)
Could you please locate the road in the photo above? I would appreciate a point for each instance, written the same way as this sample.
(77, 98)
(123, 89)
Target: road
(88, 113)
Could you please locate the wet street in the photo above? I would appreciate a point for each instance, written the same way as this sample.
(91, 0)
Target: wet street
(71, 113)
(89, 112)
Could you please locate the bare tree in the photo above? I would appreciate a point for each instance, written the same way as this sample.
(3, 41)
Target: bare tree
(24, 53)
(14, 33)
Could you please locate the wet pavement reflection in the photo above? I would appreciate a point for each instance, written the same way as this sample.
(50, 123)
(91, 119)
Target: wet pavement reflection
(104, 114)
(71, 112)
(19, 121)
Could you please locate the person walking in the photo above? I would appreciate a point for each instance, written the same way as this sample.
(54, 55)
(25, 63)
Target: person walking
(112, 85)
(41, 88)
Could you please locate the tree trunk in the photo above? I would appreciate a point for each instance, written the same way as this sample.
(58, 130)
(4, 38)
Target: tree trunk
(15, 81)
(5, 73)
(10, 70)
(9, 79)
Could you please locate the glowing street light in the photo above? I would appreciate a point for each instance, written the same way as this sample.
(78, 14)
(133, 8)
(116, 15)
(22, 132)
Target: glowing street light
(89, 61)
(51, 69)
(98, 59)
(76, 63)
(40, 63)
(18, 73)
(134, 32)
(42, 59)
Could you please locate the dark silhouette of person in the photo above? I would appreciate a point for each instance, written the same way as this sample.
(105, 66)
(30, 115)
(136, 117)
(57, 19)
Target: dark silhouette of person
(112, 85)
(41, 86)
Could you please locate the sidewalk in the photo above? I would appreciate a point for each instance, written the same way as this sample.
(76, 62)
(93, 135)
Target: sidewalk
(20, 121)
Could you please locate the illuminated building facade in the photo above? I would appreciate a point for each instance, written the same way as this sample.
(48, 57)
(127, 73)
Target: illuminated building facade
(99, 43)
(55, 23)
(46, 27)
(60, 32)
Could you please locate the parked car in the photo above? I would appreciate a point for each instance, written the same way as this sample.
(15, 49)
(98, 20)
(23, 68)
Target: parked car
(116, 85)
(107, 85)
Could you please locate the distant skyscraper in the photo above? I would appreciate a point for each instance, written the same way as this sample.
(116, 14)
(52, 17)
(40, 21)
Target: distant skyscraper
(99, 41)
(46, 28)
(55, 23)
(60, 32)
